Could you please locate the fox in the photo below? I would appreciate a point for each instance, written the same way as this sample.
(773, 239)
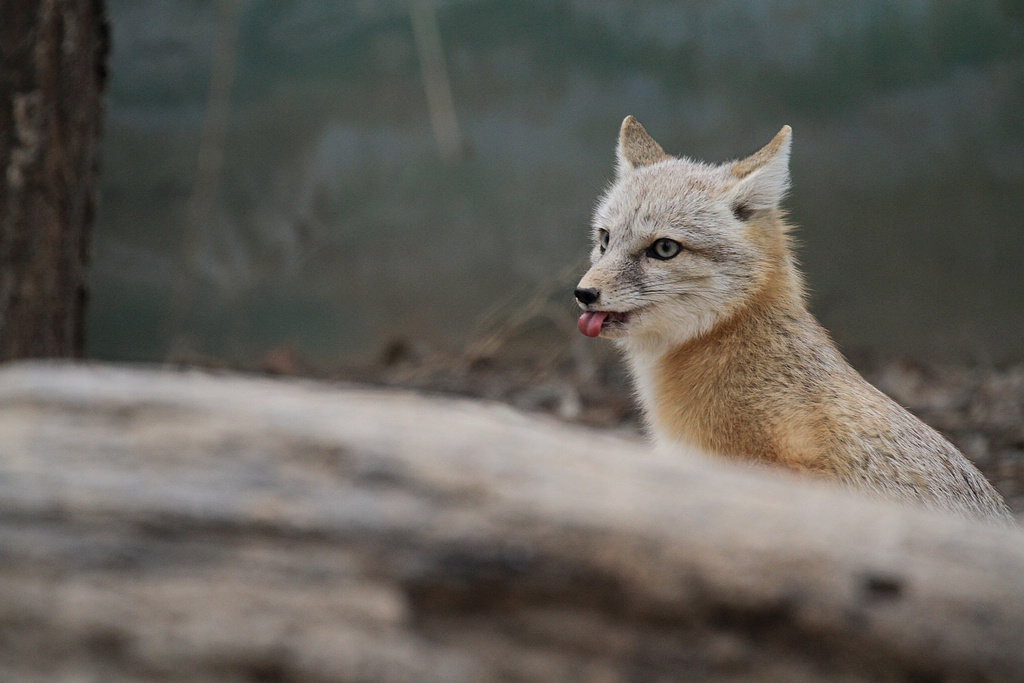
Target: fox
(694, 277)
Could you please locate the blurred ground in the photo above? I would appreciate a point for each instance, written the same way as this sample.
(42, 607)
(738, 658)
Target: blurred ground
(541, 365)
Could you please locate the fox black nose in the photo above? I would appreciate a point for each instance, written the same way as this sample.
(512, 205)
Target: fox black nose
(587, 296)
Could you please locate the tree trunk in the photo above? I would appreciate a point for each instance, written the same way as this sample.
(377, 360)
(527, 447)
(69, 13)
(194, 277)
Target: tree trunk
(165, 527)
(52, 72)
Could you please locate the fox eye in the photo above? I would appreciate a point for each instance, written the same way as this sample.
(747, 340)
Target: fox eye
(602, 239)
(664, 249)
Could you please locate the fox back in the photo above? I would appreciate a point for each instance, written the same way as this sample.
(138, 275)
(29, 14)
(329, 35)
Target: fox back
(693, 277)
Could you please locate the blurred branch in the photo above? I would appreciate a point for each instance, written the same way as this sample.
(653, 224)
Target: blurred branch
(497, 325)
(435, 79)
(209, 164)
(234, 529)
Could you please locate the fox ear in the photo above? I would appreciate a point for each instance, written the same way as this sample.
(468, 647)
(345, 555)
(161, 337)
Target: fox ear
(636, 148)
(762, 179)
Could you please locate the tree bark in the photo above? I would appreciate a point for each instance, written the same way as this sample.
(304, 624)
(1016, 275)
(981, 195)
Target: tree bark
(52, 73)
(162, 526)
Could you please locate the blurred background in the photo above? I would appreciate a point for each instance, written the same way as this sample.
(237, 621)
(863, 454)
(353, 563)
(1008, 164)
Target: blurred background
(347, 183)
(398, 193)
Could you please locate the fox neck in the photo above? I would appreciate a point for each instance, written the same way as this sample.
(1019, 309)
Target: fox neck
(707, 393)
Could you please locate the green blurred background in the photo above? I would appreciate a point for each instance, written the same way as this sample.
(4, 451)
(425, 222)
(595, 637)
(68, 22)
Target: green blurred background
(330, 220)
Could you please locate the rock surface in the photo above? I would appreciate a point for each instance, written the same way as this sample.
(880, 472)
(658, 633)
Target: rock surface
(181, 526)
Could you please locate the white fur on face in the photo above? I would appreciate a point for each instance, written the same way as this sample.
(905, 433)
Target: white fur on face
(675, 300)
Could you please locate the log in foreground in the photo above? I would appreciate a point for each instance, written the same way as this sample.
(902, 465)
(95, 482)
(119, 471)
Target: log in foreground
(182, 526)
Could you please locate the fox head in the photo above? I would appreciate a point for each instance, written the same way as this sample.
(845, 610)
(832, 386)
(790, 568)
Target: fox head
(680, 246)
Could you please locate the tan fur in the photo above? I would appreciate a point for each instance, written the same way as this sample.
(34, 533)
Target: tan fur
(744, 167)
(724, 354)
(638, 148)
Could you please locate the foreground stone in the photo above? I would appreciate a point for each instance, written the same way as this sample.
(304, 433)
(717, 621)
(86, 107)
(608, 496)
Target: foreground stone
(182, 526)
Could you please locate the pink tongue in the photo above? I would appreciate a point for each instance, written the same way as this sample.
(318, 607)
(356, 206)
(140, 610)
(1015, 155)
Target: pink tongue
(590, 322)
